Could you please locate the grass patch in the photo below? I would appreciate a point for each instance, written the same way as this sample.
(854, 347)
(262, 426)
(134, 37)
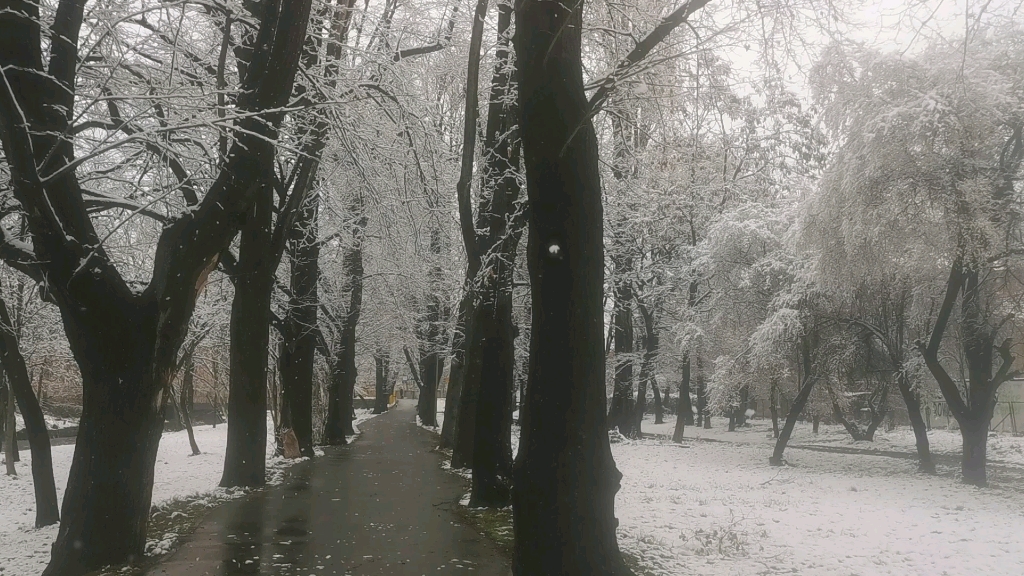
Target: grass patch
(496, 524)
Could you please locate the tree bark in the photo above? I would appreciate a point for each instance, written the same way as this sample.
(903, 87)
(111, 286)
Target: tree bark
(185, 403)
(10, 434)
(659, 410)
(621, 415)
(774, 407)
(457, 372)
(338, 423)
(913, 402)
(298, 333)
(799, 403)
(565, 477)
(246, 452)
(382, 364)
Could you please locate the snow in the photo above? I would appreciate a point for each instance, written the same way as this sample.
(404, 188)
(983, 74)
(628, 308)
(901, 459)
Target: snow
(24, 550)
(713, 506)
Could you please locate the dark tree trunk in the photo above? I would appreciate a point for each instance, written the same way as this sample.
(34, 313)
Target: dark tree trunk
(565, 477)
(684, 406)
(913, 402)
(659, 410)
(382, 364)
(185, 403)
(732, 420)
(431, 342)
(246, 452)
(741, 412)
(773, 406)
(340, 403)
(298, 336)
(799, 403)
(815, 423)
(457, 372)
(621, 414)
(975, 445)
(647, 367)
(472, 371)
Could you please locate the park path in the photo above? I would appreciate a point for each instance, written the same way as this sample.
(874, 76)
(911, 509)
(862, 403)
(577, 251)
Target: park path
(381, 505)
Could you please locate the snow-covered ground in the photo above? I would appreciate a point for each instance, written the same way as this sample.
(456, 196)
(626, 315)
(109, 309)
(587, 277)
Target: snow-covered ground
(24, 550)
(718, 509)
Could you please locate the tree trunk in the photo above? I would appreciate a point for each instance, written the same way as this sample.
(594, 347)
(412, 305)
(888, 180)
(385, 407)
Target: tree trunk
(621, 415)
(10, 434)
(975, 445)
(677, 434)
(659, 410)
(472, 371)
(684, 405)
(913, 402)
(702, 405)
(794, 412)
(298, 337)
(431, 342)
(382, 364)
(47, 506)
(774, 408)
(741, 413)
(246, 453)
(338, 423)
(457, 372)
(185, 403)
(565, 477)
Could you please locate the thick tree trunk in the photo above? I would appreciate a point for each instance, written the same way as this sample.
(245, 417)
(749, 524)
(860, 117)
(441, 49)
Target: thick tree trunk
(298, 337)
(472, 371)
(246, 452)
(565, 477)
(975, 445)
(799, 403)
(913, 402)
(185, 403)
(39, 441)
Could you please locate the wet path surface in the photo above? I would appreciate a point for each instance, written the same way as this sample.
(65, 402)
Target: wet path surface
(379, 506)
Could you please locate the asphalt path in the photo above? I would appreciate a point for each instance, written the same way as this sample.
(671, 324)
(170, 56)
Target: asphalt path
(381, 505)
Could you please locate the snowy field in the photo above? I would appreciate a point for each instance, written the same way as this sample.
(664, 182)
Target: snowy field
(24, 551)
(714, 507)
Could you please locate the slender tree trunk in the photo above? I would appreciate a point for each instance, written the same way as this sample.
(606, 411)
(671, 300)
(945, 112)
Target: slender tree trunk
(431, 342)
(185, 403)
(913, 402)
(774, 407)
(39, 441)
(621, 416)
(684, 405)
(741, 413)
(659, 410)
(799, 403)
(457, 372)
(565, 477)
(382, 365)
(702, 404)
(10, 435)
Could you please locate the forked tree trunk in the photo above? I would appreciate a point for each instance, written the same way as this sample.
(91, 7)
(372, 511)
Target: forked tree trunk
(47, 506)
(245, 456)
(565, 477)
